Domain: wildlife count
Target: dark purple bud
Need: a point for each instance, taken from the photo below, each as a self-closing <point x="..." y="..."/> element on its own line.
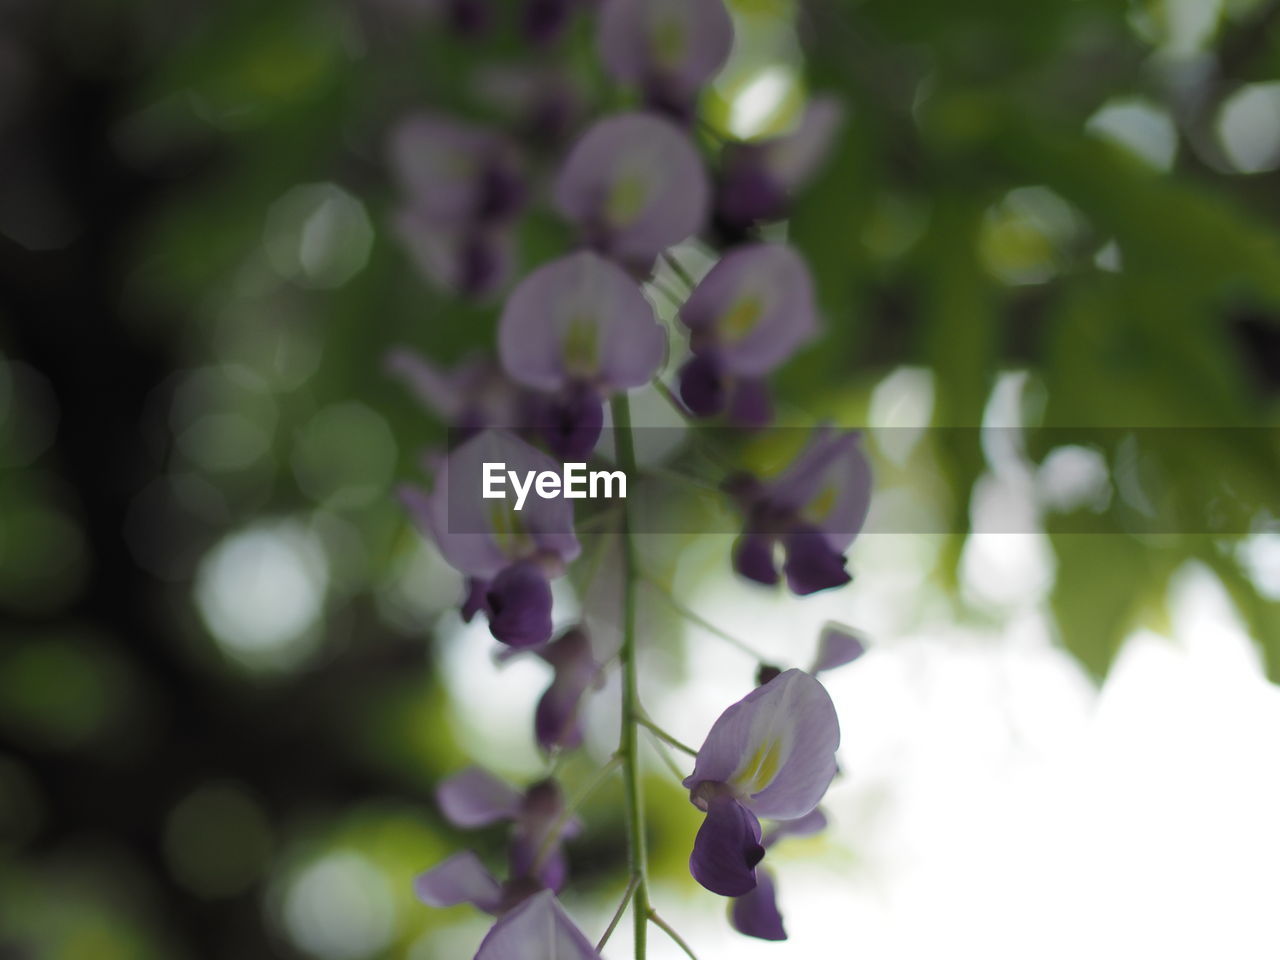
<point x="572" y="422"/>
<point x="755" y="914"/>
<point x="749" y="192"/>
<point x="766" y="672"/>
<point x="519" y="602"/>
<point x="753" y="558"/>
<point x="540" y="813"/>
<point x="702" y="386"/>
<point x="750" y="404"/>
<point x="811" y="563"/>
<point x="727" y="848"/>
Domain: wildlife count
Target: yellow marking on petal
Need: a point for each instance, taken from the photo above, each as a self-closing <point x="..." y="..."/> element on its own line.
<point x="820" y="507"/>
<point x="668" y="42"/>
<point x="740" y="319"/>
<point x="759" y="771"/>
<point x="509" y="532"/>
<point x="627" y="199"/>
<point x="581" y="346"/>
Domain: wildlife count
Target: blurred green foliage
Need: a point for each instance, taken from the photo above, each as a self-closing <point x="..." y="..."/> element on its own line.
<point x="961" y="226"/>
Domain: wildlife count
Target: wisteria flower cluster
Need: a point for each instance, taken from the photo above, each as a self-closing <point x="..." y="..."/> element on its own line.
<point x="573" y="337"/>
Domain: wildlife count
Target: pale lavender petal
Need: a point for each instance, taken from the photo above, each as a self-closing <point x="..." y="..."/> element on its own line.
<point x="439" y="390"/>
<point x="635" y="185"/>
<point x="813" y="822"/>
<point x="828" y="486"/>
<point x="755" y="913"/>
<point x="837" y="645"/>
<point x="756" y="306"/>
<point x="775" y="748"/>
<point x="482" y="537"/>
<point x="476" y="798"/>
<point x="727" y="848"/>
<point x="670" y="47"/>
<point x="476" y="555"/>
<point x="580" y="319"/>
<point x="796" y="156"/>
<point x="452" y="171"/>
<point x="460" y="879"/>
<point x="538" y="929"/>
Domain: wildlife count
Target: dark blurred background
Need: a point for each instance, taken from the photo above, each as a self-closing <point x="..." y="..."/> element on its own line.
<point x="220" y="712"/>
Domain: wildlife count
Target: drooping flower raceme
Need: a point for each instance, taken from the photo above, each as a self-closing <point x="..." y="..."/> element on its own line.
<point x="814" y="510"/>
<point x="759" y="179"/>
<point x="578" y="329"/>
<point x="634" y="185"/>
<point x="475" y="798"/>
<point x="668" y="48"/>
<point x="745" y="318"/>
<point x="508" y="556"/>
<point x="538" y="929"/>
<point x="771" y="755"/>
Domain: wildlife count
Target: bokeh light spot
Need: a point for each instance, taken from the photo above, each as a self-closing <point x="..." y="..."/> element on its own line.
<point x="261" y="591"/>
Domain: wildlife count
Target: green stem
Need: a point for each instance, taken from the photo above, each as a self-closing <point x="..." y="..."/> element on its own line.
<point x="698" y="619"/>
<point x="663" y="735"/>
<point x="617" y="914"/>
<point x="678" y="269"/>
<point x="629" y="744"/>
<point x="670" y="932"/>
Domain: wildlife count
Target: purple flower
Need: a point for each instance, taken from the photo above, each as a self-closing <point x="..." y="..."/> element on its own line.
<point x="760" y="178"/>
<point x="745" y="318"/>
<point x="473" y="396"/>
<point x="577" y="329"/>
<point x="771" y="754"/>
<point x="475" y="798"/>
<point x="454" y="172"/>
<point x="669" y="48"/>
<point x="475" y="260"/>
<point x="509" y="556"/>
<point x="756" y="913"/>
<point x="634" y="185"/>
<point x="556" y="720"/>
<point x="543" y="105"/>
<point x="814" y="510"/>
<point x="538" y="929"/>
